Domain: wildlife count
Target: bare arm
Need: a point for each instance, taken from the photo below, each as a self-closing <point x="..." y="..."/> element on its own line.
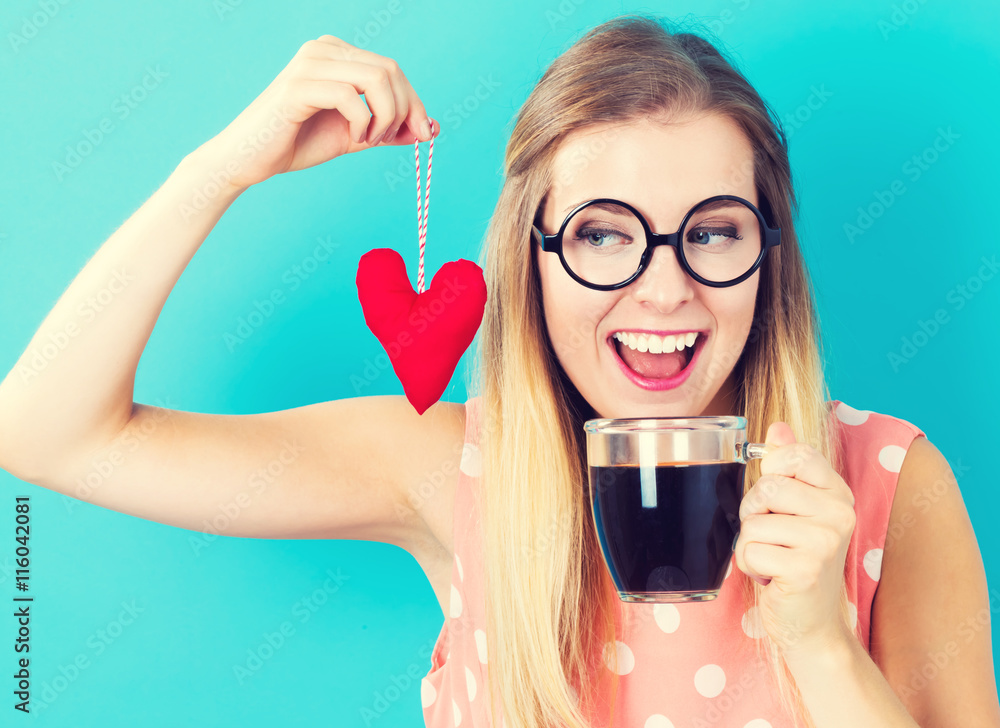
<point x="83" y="396"/>
<point x="73" y="426"/>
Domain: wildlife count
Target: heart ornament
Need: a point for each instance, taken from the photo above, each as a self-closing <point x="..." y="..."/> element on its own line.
<point x="424" y="333"/>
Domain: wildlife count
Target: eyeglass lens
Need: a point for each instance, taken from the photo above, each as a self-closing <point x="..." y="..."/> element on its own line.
<point x="603" y="243"/>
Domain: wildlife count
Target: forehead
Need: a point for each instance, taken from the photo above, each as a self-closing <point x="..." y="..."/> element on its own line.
<point x="661" y="168"/>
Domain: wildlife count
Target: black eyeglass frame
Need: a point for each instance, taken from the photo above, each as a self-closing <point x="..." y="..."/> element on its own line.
<point x="553" y="243"/>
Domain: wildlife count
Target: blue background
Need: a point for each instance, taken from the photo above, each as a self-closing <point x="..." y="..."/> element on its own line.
<point x="894" y="73"/>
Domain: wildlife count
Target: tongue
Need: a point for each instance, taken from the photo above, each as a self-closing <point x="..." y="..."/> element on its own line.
<point x="653" y="366"/>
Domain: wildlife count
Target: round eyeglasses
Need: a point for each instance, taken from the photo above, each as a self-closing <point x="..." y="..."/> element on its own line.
<point x="606" y="244"/>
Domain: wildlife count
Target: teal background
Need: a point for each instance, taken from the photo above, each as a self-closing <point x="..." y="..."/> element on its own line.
<point x="895" y="78"/>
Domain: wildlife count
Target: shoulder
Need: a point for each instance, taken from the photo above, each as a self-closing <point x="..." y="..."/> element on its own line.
<point x="866" y="427"/>
<point x="932" y="595"/>
<point x="872" y="448"/>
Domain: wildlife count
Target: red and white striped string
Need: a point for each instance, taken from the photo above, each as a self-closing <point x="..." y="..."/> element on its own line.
<point x="425" y="206"/>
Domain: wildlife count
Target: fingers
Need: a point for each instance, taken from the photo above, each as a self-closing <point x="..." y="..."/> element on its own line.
<point x="781" y="494"/>
<point x="778" y="529"/>
<point x="801" y="461"/>
<point x="388" y="93"/>
<point x="760" y="560"/>
<point x="372" y="81"/>
<point x="332" y="95"/>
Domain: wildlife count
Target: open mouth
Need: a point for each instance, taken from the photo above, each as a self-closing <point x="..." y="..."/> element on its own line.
<point x="656" y="362"/>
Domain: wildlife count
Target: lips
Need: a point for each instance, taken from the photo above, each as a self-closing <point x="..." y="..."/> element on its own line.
<point x="660" y="384"/>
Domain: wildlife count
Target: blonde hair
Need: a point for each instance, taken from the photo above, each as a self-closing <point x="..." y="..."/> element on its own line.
<point x="551" y="607"/>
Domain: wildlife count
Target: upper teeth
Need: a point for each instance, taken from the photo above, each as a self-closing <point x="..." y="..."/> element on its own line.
<point x="657" y="344"/>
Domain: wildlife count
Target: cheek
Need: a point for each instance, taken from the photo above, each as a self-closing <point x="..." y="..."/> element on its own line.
<point x="572" y="312"/>
<point x="734" y="313"/>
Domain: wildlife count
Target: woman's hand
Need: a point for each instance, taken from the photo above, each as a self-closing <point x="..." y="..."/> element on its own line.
<point x="313" y="112"/>
<point x="795" y="527"/>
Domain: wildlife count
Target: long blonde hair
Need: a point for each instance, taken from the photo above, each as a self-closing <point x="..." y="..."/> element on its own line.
<point x="551" y="607"/>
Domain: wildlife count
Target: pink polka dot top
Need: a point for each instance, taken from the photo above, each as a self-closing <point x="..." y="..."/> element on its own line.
<point x="681" y="665"/>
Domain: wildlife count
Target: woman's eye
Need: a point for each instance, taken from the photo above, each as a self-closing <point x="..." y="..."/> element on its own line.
<point x="595" y="238"/>
<point x="717" y="236"/>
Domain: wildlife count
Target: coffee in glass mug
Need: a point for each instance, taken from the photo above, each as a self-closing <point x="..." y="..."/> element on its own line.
<point x="665" y="496"/>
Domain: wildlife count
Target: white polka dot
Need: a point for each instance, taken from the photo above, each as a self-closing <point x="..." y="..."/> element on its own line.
<point x="667" y="616"/>
<point x="850" y="416"/>
<point x="657" y="721"/>
<point x="455" y="608"/>
<point x="458" y="563"/>
<point x="752" y="625"/>
<point x="891" y="457"/>
<point x="427" y="693"/>
<point x="758" y="723"/>
<point x="472" y="461"/>
<point x="626" y="660"/>
<point x="457" y="712"/>
<point x="709" y="680"/>
<point x="730" y="569"/>
<point x="470" y="683"/>
<point x="481" y="644"/>
<point x="873" y="563"/>
<point x="852" y="615"/>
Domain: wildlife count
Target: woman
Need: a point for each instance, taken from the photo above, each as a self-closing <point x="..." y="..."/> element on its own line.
<point x="659" y="122"/>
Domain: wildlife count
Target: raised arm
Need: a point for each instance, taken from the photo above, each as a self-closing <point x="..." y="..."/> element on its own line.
<point x="333" y="469"/>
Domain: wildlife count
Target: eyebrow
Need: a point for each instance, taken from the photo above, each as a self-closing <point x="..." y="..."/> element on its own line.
<point x="609" y="207"/>
<point x="606" y="206"/>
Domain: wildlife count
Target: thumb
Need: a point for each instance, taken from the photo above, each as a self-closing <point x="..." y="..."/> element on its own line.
<point x="779" y="433"/>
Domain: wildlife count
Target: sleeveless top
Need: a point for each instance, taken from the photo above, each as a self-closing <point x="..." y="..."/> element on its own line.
<point x="685" y="664"/>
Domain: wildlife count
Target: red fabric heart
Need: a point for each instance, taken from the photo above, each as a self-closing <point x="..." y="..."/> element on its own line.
<point x="424" y="335"/>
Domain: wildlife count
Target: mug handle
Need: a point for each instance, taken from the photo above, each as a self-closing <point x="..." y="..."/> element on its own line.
<point x="751" y="450"/>
<point x="747" y="451"/>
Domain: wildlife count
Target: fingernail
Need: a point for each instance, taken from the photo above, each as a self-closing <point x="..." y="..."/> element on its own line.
<point x="389" y="136"/>
<point x="425" y="129"/>
<point x="377" y="139"/>
<point x="361" y="139"/>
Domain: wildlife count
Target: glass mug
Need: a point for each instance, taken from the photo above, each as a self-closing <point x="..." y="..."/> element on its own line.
<point x="665" y="495"/>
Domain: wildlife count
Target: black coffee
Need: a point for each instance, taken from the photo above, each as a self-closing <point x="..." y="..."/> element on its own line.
<point x="673" y="531"/>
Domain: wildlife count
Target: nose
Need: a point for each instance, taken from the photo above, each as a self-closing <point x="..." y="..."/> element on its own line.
<point x="664" y="284"/>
